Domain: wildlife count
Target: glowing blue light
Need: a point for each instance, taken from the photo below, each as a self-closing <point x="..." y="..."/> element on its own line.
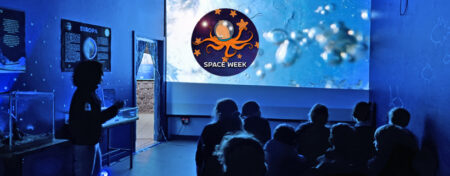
<point x="104" y="173"/>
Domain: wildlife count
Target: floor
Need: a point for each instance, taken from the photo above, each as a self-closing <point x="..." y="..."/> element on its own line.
<point x="173" y="158"/>
<point x="144" y="131"/>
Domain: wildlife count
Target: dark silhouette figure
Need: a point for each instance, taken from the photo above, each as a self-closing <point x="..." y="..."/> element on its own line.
<point x="396" y="151"/>
<point x="399" y="116"/>
<point x="312" y="136"/>
<point x="227" y="120"/>
<point x="254" y="123"/>
<point x="281" y="155"/>
<point x="241" y="155"/>
<point x="396" y="146"/>
<point x="364" y="131"/>
<point x="86" y="118"/>
<point x="339" y="159"/>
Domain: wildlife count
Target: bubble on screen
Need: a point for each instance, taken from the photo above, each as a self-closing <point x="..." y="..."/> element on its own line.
<point x="269" y="67"/>
<point x="287" y="53"/>
<point x="296" y="35"/>
<point x="260" y="73"/>
<point x="276" y="36"/>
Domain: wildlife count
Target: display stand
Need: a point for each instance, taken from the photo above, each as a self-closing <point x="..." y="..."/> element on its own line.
<point x="111" y="150"/>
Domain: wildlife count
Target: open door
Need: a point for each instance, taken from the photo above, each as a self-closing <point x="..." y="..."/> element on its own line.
<point x="145" y="55"/>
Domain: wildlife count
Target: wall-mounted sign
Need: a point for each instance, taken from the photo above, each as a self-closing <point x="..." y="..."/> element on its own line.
<point x="12" y="41"/>
<point x="80" y="41"/>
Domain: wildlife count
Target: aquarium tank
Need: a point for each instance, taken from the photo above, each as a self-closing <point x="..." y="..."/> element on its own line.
<point x="26" y="120"/>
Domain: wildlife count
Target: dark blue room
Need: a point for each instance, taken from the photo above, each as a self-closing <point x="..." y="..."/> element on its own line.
<point x="224" y="87"/>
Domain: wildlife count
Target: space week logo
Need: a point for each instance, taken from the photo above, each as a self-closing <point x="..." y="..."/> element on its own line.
<point x="225" y="42"/>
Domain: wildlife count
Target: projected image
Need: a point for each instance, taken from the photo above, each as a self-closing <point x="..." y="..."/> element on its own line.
<point x="317" y="44"/>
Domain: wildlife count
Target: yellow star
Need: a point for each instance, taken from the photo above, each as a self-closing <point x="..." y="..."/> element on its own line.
<point x="257" y="44"/>
<point x="217" y="11"/>
<point x="233" y="13"/>
<point x="224" y="59"/>
<point x="239" y="56"/>
<point x="197" y="52"/>
<point x="197" y="40"/>
<point x="242" y="24"/>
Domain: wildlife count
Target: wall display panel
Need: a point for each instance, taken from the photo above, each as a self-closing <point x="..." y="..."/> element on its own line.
<point x="12" y="41"/>
<point x="80" y="41"/>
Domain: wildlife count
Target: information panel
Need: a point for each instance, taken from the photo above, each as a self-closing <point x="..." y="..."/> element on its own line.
<point x="80" y="41"/>
<point x="12" y="41"/>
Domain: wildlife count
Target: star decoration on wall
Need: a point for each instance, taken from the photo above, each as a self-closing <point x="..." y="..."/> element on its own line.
<point x="197" y="52"/>
<point x="239" y="56"/>
<point x="217" y="11"/>
<point x="242" y="24"/>
<point x="233" y="13"/>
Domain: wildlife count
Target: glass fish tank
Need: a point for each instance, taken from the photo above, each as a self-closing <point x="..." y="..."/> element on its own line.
<point x="26" y="120"/>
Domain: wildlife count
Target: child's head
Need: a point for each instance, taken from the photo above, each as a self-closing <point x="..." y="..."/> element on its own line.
<point x="251" y="108"/>
<point x="361" y="112"/>
<point x="225" y="108"/>
<point x="285" y="133"/>
<point x="399" y="116"/>
<point x="319" y="114"/>
<point x="226" y="113"/>
<point x="241" y="154"/>
<point x="341" y="135"/>
<point x="88" y="74"/>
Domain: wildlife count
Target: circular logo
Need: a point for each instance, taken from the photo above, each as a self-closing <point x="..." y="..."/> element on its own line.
<point x="225" y="42"/>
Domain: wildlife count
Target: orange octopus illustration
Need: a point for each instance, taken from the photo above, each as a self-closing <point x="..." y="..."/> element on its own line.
<point x="235" y="43"/>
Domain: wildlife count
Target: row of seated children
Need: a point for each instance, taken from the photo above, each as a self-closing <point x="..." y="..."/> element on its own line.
<point x="233" y="147"/>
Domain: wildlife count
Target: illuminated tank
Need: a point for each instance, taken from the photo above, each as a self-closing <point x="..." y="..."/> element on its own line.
<point x="26" y="120"/>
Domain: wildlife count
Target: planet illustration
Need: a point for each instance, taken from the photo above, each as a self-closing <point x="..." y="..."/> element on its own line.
<point x="89" y="48"/>
<point x="224" y="30"/>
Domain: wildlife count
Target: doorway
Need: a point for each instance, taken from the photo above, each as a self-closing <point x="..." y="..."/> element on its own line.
<point x="145" y="53"/>
<point x="145" y="124"/>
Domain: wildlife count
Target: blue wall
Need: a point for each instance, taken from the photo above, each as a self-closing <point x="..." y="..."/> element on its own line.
<point x="278" y="103"/>
<point x="42" y="19"/>
<point x="410" y="67"/>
